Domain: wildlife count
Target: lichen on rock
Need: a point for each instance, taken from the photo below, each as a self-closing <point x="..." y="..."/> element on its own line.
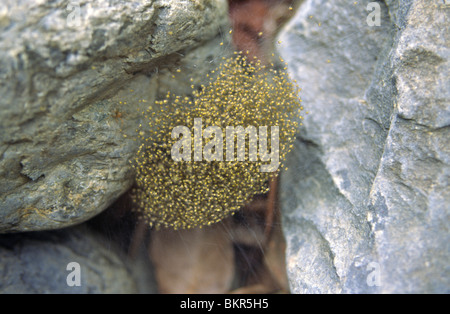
<point x="70" y="92"/>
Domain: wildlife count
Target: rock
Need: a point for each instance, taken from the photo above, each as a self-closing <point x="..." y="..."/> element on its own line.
<point x="365" y="200"/>
<point x="37" y="262"/>
<point x="73" y="78"/>
<point x="195" y="261"/>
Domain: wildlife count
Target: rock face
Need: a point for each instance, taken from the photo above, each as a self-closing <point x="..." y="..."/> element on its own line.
<point x="73" y="76"/>
<point x="38" y="263"/>
<point x="366" y="198"/>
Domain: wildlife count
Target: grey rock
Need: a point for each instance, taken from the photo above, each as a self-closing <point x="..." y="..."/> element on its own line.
<point x="37" y="262"/>
<point x="366" y="199"/>
<point x="75" y="77"/>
